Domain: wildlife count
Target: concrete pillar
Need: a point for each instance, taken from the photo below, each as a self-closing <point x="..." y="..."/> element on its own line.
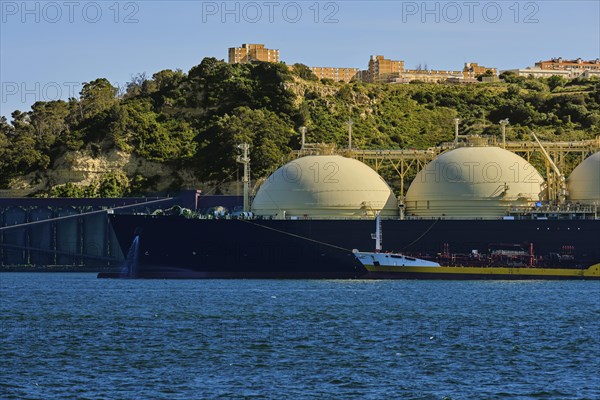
<point x="15" y="238"/>
<point x="94" y="238"/>
<point x="67" y="237"/>
<point x="41" y="237"/>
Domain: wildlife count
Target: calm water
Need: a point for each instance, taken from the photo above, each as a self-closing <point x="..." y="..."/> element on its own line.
<point x="73" y="336"/>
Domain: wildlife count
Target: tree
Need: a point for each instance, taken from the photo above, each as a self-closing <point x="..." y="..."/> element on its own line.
<point x="268" y="135"/>
<point x="304" y="72"/>
<point x="4" y="154"/>
<point x="22" y="155"/>
<point x="48" y="120"/>
<point x="206" y="85"/>
<point x="136" y="127"/>
<point x="97" y="96"/>
<point x="486" y="74"/>
<point x="69" y="189"/>
<point x="114" y="184"/>
<point x="346" y="93"/>
<point x="556" y="81"/>
<point x="135" y="86"/>
<point x="5" y="126"/>
<point x="511" y="77"/>
<point x="167" y="87"/>
<point x="168" y="79"/>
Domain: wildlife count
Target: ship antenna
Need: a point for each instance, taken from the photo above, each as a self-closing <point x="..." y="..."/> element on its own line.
<point x="244" y="159"/>
<point x="378" y="235"/>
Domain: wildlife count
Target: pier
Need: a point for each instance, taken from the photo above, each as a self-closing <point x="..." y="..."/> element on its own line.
<point x="68" y="234"/>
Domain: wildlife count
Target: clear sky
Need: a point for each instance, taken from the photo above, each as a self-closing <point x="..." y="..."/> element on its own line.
<point x="49" y="48"/>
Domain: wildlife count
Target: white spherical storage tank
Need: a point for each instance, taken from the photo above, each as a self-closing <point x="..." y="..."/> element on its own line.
<point x="584" y="182"/>
<point x="473" y="182"/>
<point x="324" y="187"/>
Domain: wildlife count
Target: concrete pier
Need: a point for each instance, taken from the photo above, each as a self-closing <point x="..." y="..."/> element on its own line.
<point x="66" y="234"/>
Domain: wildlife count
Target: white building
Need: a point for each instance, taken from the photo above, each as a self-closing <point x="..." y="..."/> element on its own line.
<point x="540" y="73"/>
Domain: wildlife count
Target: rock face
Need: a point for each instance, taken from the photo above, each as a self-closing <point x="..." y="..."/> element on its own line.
<point x="82" y="168"/>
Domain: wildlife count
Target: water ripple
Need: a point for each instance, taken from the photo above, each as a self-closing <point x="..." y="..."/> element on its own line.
<point x="73" y="336"/>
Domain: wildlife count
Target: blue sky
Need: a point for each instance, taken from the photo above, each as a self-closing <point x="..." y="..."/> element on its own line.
<point x="49" y="48"/>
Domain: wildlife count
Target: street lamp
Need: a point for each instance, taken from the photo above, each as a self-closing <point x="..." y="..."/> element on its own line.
<point x="503" y="124"/>
<point x="350" y="122"/>
<point x="303" y="132"/>
<point x="456" y="121"/>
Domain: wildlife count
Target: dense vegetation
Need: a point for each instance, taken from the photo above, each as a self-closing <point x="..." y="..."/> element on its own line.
<point x="194" y="121"/>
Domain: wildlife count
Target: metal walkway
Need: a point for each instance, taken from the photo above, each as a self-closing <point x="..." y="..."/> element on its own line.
<point x="410" y="161"/>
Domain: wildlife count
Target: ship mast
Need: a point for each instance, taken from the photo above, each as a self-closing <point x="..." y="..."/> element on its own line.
<point x="378" y="234"/>
<point x="244" y="159"/>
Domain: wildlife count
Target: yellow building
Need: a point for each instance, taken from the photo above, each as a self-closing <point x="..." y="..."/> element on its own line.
<point x="559" y="67"/>
<point x="473" y="70"/>
<point x="337" y="74"/>
<point x="252" y="52"/>
<point x="382" y="70"/>
<point x="428" y="75"/>
<point x="578" y="65"/>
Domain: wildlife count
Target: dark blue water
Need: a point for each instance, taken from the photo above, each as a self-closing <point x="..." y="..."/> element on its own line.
<point x="73" y="336"/>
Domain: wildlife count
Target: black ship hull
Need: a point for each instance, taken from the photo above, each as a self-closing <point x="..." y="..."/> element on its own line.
<point x="176" y="247"/>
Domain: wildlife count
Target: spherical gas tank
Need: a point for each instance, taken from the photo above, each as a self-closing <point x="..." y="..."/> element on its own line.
<point x="473" y="182"/>
<point x="584" y="182"/>
<point x="324" y="186"/>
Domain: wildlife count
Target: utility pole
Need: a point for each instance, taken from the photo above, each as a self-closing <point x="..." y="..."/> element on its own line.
<point x="303" y="132"/>
<point x="503" y="124"/>
<point x="244" y="159"/>
<point x="350" y="122"/>
<point x="456" y="121"/>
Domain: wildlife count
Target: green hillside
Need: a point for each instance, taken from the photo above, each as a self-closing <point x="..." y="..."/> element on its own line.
<point x="191" y="122"/>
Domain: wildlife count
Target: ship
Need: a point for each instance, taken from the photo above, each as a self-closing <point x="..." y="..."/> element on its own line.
<point x="471" y="208"/>
<point x="517" y="264"/>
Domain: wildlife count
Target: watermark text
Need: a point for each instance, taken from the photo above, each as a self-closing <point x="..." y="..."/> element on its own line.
<point x="31" y="92"/>
<point x="52" y="12"/>
<point x="470" y="11"/>
<point x="270" y="12"/>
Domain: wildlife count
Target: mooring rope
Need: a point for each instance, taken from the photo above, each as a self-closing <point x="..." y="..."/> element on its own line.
<point x="420" y="237"/>
<point x="297" y="236"/>
<point x="43" y="221"/>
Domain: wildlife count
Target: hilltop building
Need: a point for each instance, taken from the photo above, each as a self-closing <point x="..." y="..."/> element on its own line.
<point x="428" y="75"/>
<point x="473" y="70"/>
<point x="578" y="65"/>
<point x="252" y="52"/>
<point x="337" y="74"/>
<point x="560" y="67"/>
<point x="382" y="70"/>
<point x="591" y="73"/>
<point x="539" y="73"/>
